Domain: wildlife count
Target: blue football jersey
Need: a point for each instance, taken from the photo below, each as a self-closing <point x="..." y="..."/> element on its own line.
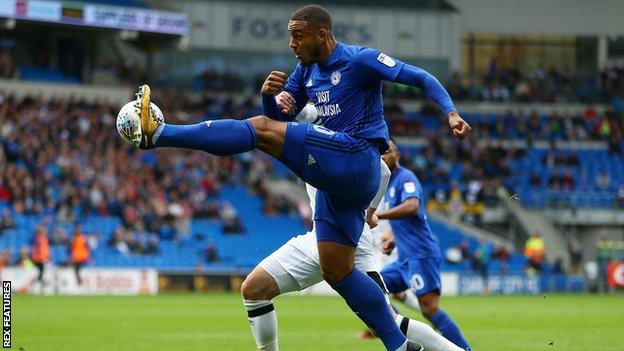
<point x="413" y="236"/>
<point x="346" y="90"/>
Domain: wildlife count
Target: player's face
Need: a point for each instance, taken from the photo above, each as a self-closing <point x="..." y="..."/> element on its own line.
<point x="391" y="158"/>
<point x="303" y="41"/>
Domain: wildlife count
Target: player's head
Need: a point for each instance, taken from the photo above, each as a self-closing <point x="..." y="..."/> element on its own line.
<point x="40" y="230"/>
<point x="310" y="30"/>
<point x="391" y="158"/>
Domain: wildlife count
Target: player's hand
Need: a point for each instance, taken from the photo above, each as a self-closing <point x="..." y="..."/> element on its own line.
<point x="460" y="128"/>
<point x="286" y="103"/>
<point x="274" y="83"/>
<point x="371" y="217"/>
<point x="387" y="243"/>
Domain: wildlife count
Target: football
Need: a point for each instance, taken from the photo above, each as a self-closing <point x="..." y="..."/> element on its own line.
<point x="129" y="122"/>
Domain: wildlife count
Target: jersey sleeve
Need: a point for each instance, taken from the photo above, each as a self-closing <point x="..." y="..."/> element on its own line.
<point x="410" y="188"/>
<point x="376" y="65"/>
<point x="295" y="87"/>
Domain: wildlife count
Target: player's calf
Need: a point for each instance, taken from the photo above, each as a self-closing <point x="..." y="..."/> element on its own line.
<point x="429" y="304"/>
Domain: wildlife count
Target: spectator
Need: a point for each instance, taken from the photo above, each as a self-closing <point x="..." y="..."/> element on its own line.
<point x="79" y="252"/>
<point x="41" y="252"/>
<point x="481" y="261"/>
<point x="6" y="221"/>
<point x="619" y="198"/>
<point x="502" y="254"/>
<point x="59" y="237"/>
<point x="24" y="260"/>
<point x="211" y="253"/>
<point x="576" y="254"/>
<point x="603" y="181"/>
<point x="465" y="250"/>
<point x="7" y="69"/>
<point x="558" y="266"/>
<point x="567" y="181"/>
<point x="233" y="226"/>
<point x="535" y="179"/>
<point x="118" y="242"/>
<point x="152" y="245"/>
<point x="534" y="251"/>
<point x="5" y="258"/>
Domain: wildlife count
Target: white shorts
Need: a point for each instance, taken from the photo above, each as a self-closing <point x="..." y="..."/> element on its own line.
<point x="295" y="265"/>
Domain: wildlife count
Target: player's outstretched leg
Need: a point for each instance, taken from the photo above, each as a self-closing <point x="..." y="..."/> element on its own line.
<point x="218" y="137"/>
<point x="259" y="289"/>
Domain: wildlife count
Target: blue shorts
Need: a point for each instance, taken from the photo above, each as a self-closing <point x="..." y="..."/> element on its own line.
<point x="421" y="276"/>
<point x="344" y="169"/>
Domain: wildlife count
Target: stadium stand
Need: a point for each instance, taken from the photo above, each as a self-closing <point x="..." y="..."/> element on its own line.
<point x="169" y="223"/>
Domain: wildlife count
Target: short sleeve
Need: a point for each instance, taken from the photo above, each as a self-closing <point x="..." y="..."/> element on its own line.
<point x="378" y="65"/>
<point x="410" y="188"/>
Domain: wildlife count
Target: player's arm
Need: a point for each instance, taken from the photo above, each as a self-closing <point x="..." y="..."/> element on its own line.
<point x="414" y="76"/>
<point x="407" y="208"/>
<point x="277" y="82"/>
<point x="371" y="218"/>
<point x="410" y="194"/>
<point x="379" y="66"/>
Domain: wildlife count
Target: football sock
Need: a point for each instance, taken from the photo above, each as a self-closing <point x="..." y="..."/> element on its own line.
<point x="425" y="335"/>
<point x="409" y="298"/>
<point x="445" y="325"/>
<point x="263" y="322"/>
<point x="366" y="299"/>
<point x="221" y="138"/>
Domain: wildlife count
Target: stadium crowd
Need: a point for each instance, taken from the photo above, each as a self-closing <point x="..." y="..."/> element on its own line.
<point x="498" y="84"/>
<point x="59" y="158"/>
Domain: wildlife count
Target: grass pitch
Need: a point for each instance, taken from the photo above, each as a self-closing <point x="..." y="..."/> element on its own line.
<point x="209" y="322"/>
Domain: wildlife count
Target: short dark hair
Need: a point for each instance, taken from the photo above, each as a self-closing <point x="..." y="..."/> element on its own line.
<point x="316" y="16"/>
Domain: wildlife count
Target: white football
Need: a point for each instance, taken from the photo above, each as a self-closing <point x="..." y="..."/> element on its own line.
<point x="129" y="122"/>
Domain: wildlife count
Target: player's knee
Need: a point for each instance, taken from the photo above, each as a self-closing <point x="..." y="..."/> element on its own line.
<point x="263" y="124"/>
<point x="250" y="291"/>
<point x="255" y="289"/>
<point x="334" y="273"/>
<point x="270" y="134"/>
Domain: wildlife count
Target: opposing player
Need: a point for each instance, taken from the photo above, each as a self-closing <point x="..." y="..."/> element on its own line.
<point x="295" y="266"/>
<point x="418" y="264"/>
<point x="341" y="161"/>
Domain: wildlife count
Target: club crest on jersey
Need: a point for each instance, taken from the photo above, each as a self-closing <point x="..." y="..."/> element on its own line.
<point x="409" y="187"/>
<point x="386" y="60"/>
<point x="335" y="77"/>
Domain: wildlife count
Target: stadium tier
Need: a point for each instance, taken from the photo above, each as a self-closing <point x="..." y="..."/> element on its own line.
<point x="235" y="251"/>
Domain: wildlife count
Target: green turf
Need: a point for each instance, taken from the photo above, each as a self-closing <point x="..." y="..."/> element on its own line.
<point x="217" y="322"/>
